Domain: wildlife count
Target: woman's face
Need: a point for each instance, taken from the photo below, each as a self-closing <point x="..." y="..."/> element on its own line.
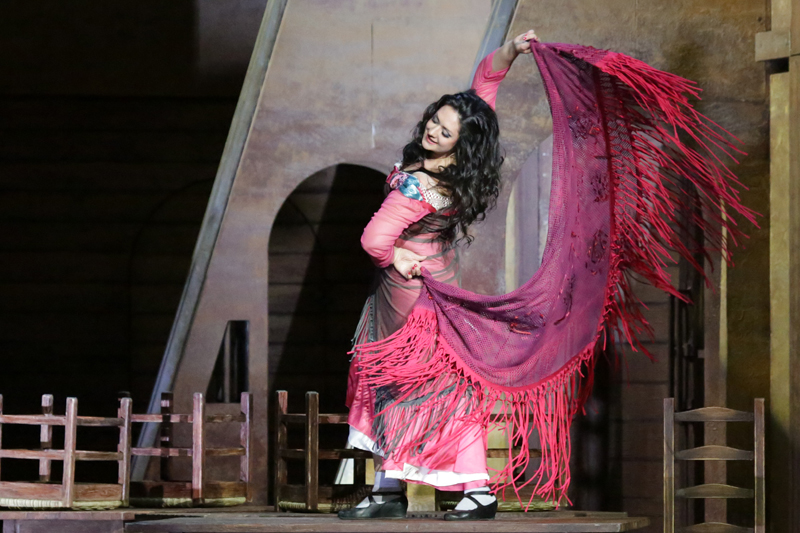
<point x="441" y="131"/>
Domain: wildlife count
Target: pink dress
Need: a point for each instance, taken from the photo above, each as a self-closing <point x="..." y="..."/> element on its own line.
<point x="463" y="460"/>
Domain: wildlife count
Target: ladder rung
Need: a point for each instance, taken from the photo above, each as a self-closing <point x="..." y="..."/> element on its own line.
<point x="713" y="490"/>
<point x="715" y="527"/>
<point x="714" y="453"/>
<point x="714" y="414"/>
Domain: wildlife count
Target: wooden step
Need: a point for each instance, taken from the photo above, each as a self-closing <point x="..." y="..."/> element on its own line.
<point x="714" y="414"/>
<point x="714" y="490"/>
<point x="714" y="453"/>
<point x="715" y="527"/>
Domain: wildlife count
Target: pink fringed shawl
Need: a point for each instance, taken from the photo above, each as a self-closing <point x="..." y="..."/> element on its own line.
<point x="629" y="152"/>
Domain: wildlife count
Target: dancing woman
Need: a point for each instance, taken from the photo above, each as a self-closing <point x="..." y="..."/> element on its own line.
<point x="449" y="177"/>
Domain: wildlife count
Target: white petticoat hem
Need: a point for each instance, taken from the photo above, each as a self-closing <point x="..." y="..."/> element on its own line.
<point x="437" y="478"/>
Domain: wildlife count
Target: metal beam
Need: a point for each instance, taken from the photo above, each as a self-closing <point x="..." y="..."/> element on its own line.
<point x="496" y="30"/>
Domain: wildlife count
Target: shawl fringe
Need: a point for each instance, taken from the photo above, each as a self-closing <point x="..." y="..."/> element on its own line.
<point x="655" y="176"/>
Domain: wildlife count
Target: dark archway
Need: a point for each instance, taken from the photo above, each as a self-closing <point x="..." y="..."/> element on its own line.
<point x="319" y="278"/>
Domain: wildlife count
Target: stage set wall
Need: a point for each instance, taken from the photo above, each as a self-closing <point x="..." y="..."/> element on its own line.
<point x="114" y="121"/>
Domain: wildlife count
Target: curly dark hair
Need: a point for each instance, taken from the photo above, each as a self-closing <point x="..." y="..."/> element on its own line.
<point x="473" y="182"/>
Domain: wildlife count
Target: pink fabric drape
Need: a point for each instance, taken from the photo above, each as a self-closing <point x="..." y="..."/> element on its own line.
<point x="393" y="298"/>
<point x="622" y="174"/>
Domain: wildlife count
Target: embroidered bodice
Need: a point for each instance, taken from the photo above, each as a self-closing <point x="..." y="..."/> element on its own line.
<point x="410" y="187"/>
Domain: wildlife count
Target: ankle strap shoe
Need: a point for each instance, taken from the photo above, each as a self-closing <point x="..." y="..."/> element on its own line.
<point x="482" y="512"/>
<point x="388" y="510"/>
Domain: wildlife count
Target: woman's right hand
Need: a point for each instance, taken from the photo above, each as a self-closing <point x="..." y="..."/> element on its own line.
<point x="407" y="263"/>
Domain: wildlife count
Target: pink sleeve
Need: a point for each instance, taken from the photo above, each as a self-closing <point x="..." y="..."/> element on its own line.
<point x="396" y="214"/>
<point x="486" y="82"/>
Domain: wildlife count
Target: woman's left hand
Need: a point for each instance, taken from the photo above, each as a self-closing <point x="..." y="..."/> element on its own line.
<point x="522" y="42"/>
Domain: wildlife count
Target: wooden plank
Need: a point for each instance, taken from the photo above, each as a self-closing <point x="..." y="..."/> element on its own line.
<point x="281" y="473"/>
<point x="780" y="210"/>
<point x="669" y="465"/>
<point x="212" y="221"/>
<point x="57" y="455"/>
<point x="87" y="455"/>
<point x="225" y="452"/>
<point x="715" y="527"/>
<point x="162" y="452"/>
<point x="332" y="524"/>
<point x="33" y="420"/>
<point x="70" y="436"/>
<point x="124" y="449"/>
<point x="161" y="489"/>
<point x="97" y="492"/>
<point x="67" y="514"/>
<point x="165" y="438"/>
<point x="714" y="414"/>
<point x="714" y="453"/>
<point x="221" y="419"/>
<point x="225" y="489"/>
<point x="183" y="489"/>
<point x="793" y="487"/>
<point x="360" y="471"/>
<point x="760" y="517"/>
<point x="46" y="437"/>
<point x="198" y="448"/>
<point x="31" y="491"/>
<point x="714" y="490"/>
<point x="245" y="465"/>
<point x="156" y="418"/>
<point x="312" y="451"/>
<point x="132" y="514"/>
<point x="98" y="421"/>
<point x="773" y="44"/>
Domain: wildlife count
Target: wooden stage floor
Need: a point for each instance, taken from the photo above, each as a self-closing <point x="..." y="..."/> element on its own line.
<point x="258" y="520"/>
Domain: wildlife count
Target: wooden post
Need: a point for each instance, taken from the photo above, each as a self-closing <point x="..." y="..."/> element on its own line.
<point x="166" y="433"/>
<point x="359" y="471"/>
<point x="312" y="451"/>
<point x="669" y="465"/>
<point x="1" y="431"/>
<point x="281" y="474"/>
<point x="244" y="438"/>
<point x="198" y="448"/>
<point x="45" y="437"/>
<point x="124" y="448"/>
<point x="758" y="466"/>
<point x="70" y="436"/>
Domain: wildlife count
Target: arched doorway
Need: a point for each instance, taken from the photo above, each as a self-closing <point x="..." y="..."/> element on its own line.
<point x="319" y="278"/>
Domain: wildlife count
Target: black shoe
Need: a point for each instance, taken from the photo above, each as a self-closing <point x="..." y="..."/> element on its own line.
<point x="482" y="512"/>
<point x="388" y="510"/>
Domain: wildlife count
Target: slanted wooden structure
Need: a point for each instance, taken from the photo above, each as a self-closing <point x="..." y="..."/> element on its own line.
<point x="713" y="453"/>
<point x="200" y="490"/>
<point x="45" y="493"/>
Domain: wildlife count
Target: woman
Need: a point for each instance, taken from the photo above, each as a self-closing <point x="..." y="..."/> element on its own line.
<point x="448" y="178"/>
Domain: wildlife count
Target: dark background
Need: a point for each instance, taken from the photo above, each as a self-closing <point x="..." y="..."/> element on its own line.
<point x="113" y="117"/>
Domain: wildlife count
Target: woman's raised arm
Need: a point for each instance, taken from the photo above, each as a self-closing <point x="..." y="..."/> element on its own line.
<point x="506" y="54"/>
<point x="493" y="68"/>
